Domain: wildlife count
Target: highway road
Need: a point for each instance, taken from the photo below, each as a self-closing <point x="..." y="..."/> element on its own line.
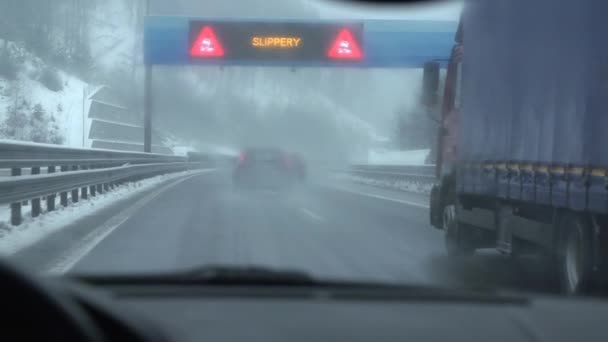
<point x="331" y="230"/>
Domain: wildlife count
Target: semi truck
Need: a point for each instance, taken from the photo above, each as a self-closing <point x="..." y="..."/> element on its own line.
<point x="522" y="162"/>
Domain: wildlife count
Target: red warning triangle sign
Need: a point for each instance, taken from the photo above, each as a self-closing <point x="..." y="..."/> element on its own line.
<point x="207" y="44"/>
<point x="345" y="47"/>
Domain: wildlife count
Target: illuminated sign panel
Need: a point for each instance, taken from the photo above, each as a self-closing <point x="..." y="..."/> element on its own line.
<point x="180" y="40"/>
<point x="275" y="41"/>
<point x="282" y="42"/>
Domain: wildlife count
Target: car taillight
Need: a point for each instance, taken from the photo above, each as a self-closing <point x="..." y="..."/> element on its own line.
<point x="287" y="161"/>
<point x="242" y="159"/>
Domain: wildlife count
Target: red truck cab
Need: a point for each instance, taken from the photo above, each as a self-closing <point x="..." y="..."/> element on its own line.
<point x="447" y="135"/>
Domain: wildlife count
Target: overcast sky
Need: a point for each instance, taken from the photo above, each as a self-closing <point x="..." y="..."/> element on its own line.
<point x="437" y="10"/>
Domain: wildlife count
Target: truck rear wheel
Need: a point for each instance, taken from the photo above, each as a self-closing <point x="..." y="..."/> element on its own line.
<point x="456" y="242"/>
<point x="575" y="254"/>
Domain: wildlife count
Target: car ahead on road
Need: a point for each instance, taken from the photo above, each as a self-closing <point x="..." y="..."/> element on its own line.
<point x="299" y="166"/>
<point x="267" y="168"/>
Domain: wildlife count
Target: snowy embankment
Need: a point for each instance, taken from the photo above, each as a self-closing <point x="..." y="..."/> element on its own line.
<point x="392" y="157"/>
<point x="57" y="96"/>
<point x="33" y="230"/>
<point x="410" y="185"/>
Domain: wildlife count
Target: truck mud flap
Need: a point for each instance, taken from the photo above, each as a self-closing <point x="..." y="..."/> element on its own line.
<point x="435" y="211"/>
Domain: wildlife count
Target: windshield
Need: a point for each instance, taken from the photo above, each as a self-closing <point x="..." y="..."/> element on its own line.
<point x="350" y="143"/>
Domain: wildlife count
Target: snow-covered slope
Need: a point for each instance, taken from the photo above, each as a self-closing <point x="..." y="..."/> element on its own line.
<point x="388" y="157"/>
<point x="26" y="91"/>
<point x="115" y="35"/>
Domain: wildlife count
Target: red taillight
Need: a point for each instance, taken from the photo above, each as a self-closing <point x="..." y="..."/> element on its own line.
<point x="287" y="161"/>
<point x="242" y="158"/>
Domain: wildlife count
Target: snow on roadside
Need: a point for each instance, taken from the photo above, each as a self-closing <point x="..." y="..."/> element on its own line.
<point x="181" y="147"/>
<point x="401" y="185"/>
<point x="70" y="99"/>
<point x="389" y="157"/>
<point x="32" y="230"/>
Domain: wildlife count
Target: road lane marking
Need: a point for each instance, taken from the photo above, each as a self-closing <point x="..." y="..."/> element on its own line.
<point x="413" y="204"/>
<point x="65" y="262"/>
<point x="86" y="245"/>
<point x="312" y="215"/>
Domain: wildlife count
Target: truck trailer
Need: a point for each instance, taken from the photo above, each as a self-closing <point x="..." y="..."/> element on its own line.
<point x="523" y="150"/>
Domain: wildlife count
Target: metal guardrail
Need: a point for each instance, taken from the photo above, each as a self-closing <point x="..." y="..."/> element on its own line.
<point x="424" y="173"/>
<point x="83" y="173"/>
<point x="18" y="155"/>
<point x="420" y="174"/>
<point x="16" y="189"/>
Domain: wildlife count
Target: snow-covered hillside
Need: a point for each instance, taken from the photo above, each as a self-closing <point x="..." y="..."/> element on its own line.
<point x="115" y="35"/>
<point x="392" y="157"/>
<point x="64" y="104"/>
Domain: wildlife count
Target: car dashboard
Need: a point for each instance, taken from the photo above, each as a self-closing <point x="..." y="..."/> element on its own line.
<point x="255" y="313"/>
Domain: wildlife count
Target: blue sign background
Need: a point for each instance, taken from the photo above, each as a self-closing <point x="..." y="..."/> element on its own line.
<point x="386" y="43"/>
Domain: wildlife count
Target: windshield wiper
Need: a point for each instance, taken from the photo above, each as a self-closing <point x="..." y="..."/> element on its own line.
<point x="247" y="275"/>
<point x="263" y="277"/>
<point x="209" y="275"/>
